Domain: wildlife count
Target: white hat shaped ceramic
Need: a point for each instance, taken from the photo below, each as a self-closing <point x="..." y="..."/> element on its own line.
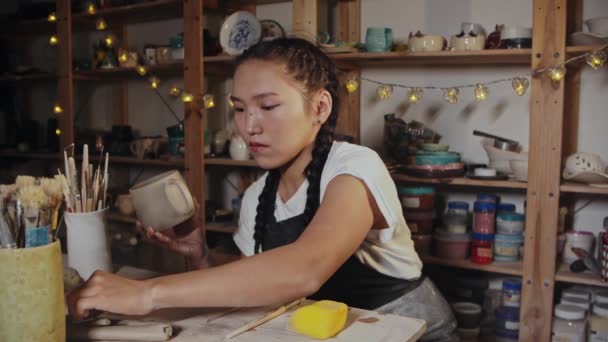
<point x="586" y="168"/>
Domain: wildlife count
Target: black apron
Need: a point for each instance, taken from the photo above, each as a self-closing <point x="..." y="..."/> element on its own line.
<point x="354" y="283"/>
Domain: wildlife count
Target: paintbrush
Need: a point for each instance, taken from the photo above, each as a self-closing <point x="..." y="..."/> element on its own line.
<point x="74" y="180"/>
<point x="84" y="177"/>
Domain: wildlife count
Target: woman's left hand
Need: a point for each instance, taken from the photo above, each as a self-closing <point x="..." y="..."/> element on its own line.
<point x="108" y="292"/>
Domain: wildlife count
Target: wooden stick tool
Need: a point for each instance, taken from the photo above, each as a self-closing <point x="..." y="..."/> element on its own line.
<point x="265" y="319"/>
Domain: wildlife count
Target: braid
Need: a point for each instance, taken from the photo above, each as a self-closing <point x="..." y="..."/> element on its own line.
<point x="265" y="206"/>
<point x="310" y="67"/>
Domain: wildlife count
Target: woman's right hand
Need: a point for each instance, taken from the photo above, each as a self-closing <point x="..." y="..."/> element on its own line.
<point x="184" y="239"/>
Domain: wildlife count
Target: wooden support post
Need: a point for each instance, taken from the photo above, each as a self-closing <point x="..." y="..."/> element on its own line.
<point x="120" y="89"/>
<point x="546" y="118"/>
<point x="305" y="19"/>
<point x="348" y="29"/>
<point x="572" y="86"/>
<point x="64" y="71"/>
<point x="194" y="112"/>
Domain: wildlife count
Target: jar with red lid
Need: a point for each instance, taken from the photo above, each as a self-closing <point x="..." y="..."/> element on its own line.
<point x="485" y="213"/>
<point x="481" y="248"/>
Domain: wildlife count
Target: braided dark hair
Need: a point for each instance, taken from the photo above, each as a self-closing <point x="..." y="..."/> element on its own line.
<point x="309" y="66"/>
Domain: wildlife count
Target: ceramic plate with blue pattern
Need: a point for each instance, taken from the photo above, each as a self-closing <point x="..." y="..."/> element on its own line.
<point x="240" y="31"/>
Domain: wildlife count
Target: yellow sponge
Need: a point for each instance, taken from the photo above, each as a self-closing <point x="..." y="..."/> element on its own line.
<point x="322" y="320"/>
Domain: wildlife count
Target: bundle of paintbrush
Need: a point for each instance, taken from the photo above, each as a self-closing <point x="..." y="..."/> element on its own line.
<point x="89" y="192"/>
<point x="29" y="211"/>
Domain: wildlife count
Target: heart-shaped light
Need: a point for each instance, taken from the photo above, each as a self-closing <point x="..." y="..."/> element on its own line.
<point x="596" y="59"/>
<point x="451" y="95"/>
<point x="520" y="85"/>
<point x="384" y="92"/>
<point x="557" y="73"/>
<point x="481" y="92"/>
<point x="352" y="86"/>
<point x="414" y="95"/>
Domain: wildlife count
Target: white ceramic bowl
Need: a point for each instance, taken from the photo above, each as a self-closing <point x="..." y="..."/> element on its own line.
<point x="514" y="32"/>
<point x="519" y="169"/>
<point x="427" y="42"/>
<point x="598" y="26"/>
<point x="499" y="159"/>
<point x="468" y="43"/>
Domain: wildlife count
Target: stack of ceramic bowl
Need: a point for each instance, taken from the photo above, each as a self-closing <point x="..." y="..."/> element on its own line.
<point x="418" y="205"/>
<point x="434" y="161"/>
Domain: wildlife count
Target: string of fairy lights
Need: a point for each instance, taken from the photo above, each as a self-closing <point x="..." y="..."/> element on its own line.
<point x="384" y="91"/>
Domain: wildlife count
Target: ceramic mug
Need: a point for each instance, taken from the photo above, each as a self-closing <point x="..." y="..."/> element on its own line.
<point x="162" y="201"/>
<point x="468" y="43"/>
<point x="379" y="39"/>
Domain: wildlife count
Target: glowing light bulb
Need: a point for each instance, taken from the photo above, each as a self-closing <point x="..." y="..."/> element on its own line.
<point x="230" y="103"/>
<point x="101" y="24"/>
<point x="123" y="57"/>
<point x="520" y="85"/>
<point x="154" y="82"/>
<point x="175" y="91"/>
<point x="384" y="92"/>
<point x="451" y="95"/>
<point x="596" y="59"/>
<point x="141" y="70"/>
<point x="57" y="132"/>
<point x="57" y="109"/>
<point x="209" y="101"/>
<point x="187" y="97"/>
<point x="352" y="86"/>
<point x="557" y="73"/>
<point x="52" y="17"/>
<point x="91" y="9"/>
<point x="481" y="92"/>
<point x="414" y="95"/>
<point x="110" y="40"/>
<point x="53" y="40"/>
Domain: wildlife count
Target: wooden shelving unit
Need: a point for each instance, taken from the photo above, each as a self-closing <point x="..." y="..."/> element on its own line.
<point x="228" y="227"/>
<point x="586" y="278"/>
<point x="512" y="268"/>
<point x="461" y="182"/>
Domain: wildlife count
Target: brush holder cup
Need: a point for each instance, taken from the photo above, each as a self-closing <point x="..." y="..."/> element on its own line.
<point x="31" y="294"/>
<point x="88" y="247"/>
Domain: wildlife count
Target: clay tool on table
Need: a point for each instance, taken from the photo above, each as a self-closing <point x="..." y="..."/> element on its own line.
<point x="265" y="318"/>
<point x="223" y="313"/>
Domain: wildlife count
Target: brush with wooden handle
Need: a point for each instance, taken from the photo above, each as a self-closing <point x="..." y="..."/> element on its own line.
<point x="265" y="319"/>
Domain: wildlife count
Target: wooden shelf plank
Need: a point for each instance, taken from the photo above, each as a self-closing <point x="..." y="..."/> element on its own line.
<point x="582" y="188"/>
<point x="29" y="155"/>
<point x="579" y="50"/>
<point x="492" y="57"/>
<point x="461" y="181"/>
<point x="512" y="268"/>
<point x="586" y="278"/>
<point x="27" y="78"/>
<point x="230" y="162"/>
<point x="120" y="73"/>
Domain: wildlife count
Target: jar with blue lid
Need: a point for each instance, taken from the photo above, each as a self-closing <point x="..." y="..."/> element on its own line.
<point x="506" y="207"/>
<point x="510" y="223"/>
<point x="507" y="318"/>
<point x="487" y="198"/>
<point x="417" y="198"/>
<point x="456" y="217"/>
<point x="511" y="293"/>
<point x="485" y="213"/>
<point x="507" y="246"/>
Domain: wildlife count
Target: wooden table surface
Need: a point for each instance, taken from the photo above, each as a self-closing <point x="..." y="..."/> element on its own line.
<point x="192" y="324"/>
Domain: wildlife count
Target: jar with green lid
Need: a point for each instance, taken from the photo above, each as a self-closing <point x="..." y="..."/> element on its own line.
<point x="510" y="223"/>
<point x="417" y="198"/>
<point x="177" y="46"/>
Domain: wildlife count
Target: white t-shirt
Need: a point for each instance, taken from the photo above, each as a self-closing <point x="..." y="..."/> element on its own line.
<point x="389" y="251"/>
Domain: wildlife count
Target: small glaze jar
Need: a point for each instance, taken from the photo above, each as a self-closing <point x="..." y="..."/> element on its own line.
<point x="485" y="213"/>
<point x="238" y="148"/>
<point x="417" y="198"/>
